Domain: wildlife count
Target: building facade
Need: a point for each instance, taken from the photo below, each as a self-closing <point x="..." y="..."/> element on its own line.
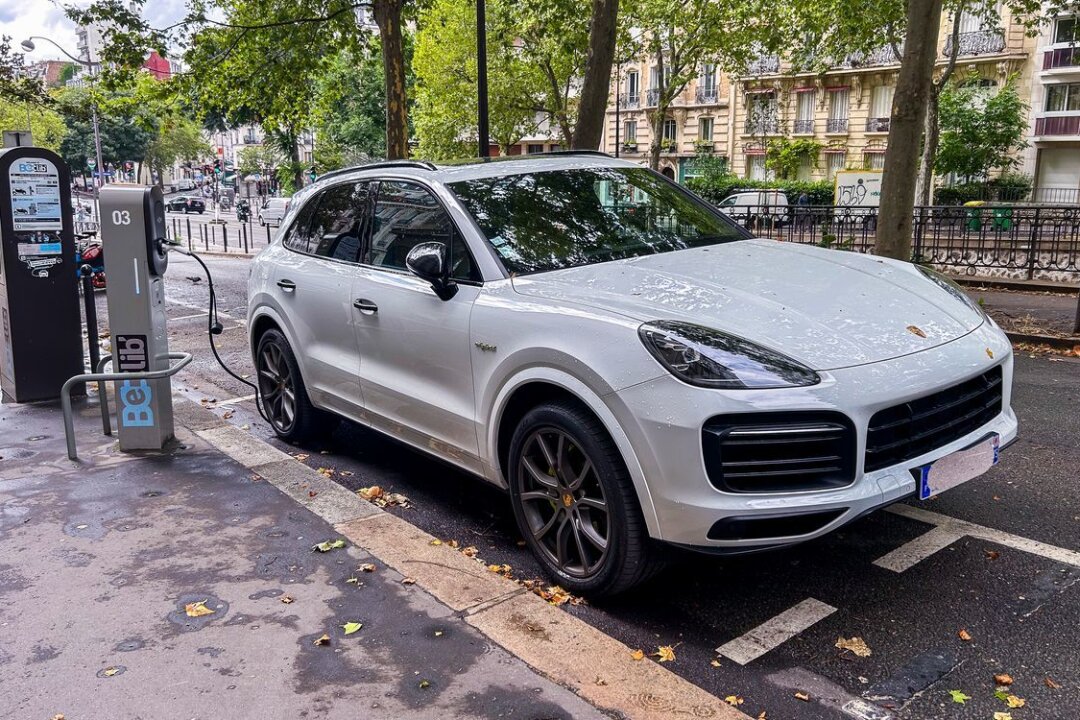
<point x="844" y="111"/>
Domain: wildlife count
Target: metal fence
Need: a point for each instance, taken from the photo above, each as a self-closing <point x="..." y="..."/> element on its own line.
<point x="1024" y="242"/>
<point x="244" y="238"/>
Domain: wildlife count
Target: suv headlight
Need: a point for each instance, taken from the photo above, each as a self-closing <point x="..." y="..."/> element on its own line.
<point x="709" y="358"/>
<point x="950" y="286"/>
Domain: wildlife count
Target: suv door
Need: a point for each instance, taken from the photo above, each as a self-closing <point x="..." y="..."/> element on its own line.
<point x="416" y="372"/>
<point x="314" y="286"/>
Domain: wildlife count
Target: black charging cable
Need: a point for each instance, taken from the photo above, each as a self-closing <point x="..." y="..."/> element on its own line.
<point x="214" y="326"/>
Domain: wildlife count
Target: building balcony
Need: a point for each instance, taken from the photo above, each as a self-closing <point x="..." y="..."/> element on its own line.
<point x="877" y="125"/>
<point x="764" y="65"/>
<point x="884" y="55"/>
<point x="630" y="101"/>
<point x="1068" y="57"/>
<point x="1058" y="125"/>
<point x="762" y="126"/>
<point x="706" y="95"/>
<point x="980" y="42"/>
<point x="704" y="147"/>
<point x="836" y="125"/>
<point x="804" y="127"/>
<point x="652" y="97"/>
<point x="667" y="145"/>
<point x="630" y="146"/>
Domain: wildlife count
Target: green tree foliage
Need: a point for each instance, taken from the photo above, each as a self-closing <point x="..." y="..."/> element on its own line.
<point x="125" y="135"/>
<point x="979" y="132"/>
<point x="258" y="159"/>
<point x="46" y="125"/>
<point x="14" y="85"/>
<point x="784" y="156"/>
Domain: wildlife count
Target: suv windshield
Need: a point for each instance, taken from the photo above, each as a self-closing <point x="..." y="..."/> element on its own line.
<point x="561" y="218"/>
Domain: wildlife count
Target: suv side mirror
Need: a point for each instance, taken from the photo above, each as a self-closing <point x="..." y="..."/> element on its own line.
<point x="427" y="261"/>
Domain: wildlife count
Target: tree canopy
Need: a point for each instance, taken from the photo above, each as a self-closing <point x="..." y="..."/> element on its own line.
<point x="980" y="130"/>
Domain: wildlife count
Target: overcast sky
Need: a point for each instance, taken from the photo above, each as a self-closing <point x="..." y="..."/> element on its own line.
<point x="20" y="19"/>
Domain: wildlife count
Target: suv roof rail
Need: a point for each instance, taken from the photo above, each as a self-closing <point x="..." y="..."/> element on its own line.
<point x="527" y="156"/>
<point x="421" y="164"/>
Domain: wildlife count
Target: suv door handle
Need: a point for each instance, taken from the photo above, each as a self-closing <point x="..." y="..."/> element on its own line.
<point x="286" y="285"/>
<point x="365" y="306"/>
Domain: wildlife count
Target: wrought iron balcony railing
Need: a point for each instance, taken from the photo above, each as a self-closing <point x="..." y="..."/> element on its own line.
<point x="980" y="42"/>
<point x="804" y="127"/>
<point x="652" y="97"/>
<point x="706" y="95"/>
<point x="836" y="125"/>
<point x="631" y="100"/>
<point x="762" y="126"/>
<point x="884" y="55"/>
<point x="764" y="65"/>
<point x="877" y="124"/>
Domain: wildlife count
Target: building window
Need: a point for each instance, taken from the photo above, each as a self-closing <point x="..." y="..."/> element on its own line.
<point x="705" y="128"/>
<point x="706" y="89"/>
<point x="633" y="87"/>
<point x="1063" y="98"/>
<point x="755" y="168"/>
<point x="669" y="130"/>
<point x="874" y="160"/>
<point x="1065" y="30"/>
<point x="804" y="112"/>
<point x="630" y="131"/>
<point x="534" y="148"/>
<point x="834" y="163"/>
<point x="838" y="110"/>
<point x="761" y="116"/>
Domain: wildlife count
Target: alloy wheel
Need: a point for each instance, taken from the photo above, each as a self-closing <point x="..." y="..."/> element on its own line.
<point x="563" y="502"/>
<point x="276" y="387"/>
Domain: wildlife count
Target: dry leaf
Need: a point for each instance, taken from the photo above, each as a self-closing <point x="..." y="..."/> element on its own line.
<point x="762" y="716"/>
<point x="227" y="415"/>
<point x="345" y="473"/>
<point x="964" y="635"/>
<point x="197" y="609"/>
<point x="328" y="545"/>
<point x="438" y="633"/>
<point x="1003" y="679"/>
<point x="714" y="663"/>
<point x="287" y="599"/>
<point x="1049" y="682"/>
<point x="453" y="543"/>
<point x="1003" y="716"/>
<point x="324" y="640"/>
<point x="1014" y="702"/>
<point x="733" y="700"/>
<point x="469" y="551"/>
<point x="436" y="541"/>
<point x="367" y="567"/>
<point x="351" y="627"/>
<point x="58" y="716"/>
<point x="637" y="655"/>
<point x="110" y="671"/>
<point x="665" y="653"/>
<point x="600" y="681"/>
<point x="325" y="472"/>
<point x="855" y="645"/>
<point x="408" y="581"/>
<point x="370" y="493"/>
<point x="352" y="581"/>
<point x="805" y="697"/>
<point x="424" y="684"/>
<point x="300" y="456"/>
<point x="993" y="554"/>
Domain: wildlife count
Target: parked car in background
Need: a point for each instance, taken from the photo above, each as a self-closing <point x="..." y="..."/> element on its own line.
<point x="272" y="211"/>
<point x="185" y="204"/>
<point x="185" y="184"/>
<point x="631" y="366"/>
<point x="756" y="208"/>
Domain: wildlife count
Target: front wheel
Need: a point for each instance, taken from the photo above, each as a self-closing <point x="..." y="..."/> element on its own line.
<point x="282" y="392"/>
<point x="575" y="503"/>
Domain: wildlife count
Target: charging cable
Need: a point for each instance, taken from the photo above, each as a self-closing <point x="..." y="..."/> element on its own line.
<point x="213" y="325"/>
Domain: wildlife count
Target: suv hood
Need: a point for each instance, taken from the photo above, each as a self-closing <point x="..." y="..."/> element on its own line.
<point x="826" y="308"/>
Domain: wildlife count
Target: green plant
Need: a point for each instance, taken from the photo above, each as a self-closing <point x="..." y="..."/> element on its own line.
<point x="784" y="156"/>
<point x="668" y="145"/>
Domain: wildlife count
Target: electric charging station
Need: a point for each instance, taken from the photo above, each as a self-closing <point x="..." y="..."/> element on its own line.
<point x="40" y="323"/>
<point x="133" y="239"/>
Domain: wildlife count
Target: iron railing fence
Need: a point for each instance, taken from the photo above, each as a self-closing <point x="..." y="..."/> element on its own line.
<point x="1031" y="241"/>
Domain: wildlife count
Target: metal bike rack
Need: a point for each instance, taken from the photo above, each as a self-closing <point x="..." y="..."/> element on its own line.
<point x="101" y="378"/>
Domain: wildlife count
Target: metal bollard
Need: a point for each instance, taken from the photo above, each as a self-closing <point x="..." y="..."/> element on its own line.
<point x="225" y="237"/>
<point x="90" y="309"/>
<point x="243" y="235"/>
<point x="188" y="221"/>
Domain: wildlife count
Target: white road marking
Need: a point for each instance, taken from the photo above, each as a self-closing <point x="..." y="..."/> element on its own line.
<point x="1000" y="537"/>
<point x="188" y="317"/>
<point x="233" y="401"/>
<point x="772" y="633"/>
<point x="192" y="306"/>
<point x="917" y="550"/>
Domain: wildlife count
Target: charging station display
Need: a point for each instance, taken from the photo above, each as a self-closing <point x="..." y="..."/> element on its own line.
<point x="37" y="219"/>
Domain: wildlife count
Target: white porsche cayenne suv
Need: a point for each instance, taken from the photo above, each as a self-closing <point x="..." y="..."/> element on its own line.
<point x="630" y="365"/>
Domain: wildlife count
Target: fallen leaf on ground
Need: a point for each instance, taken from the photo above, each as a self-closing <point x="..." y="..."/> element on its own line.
<point x="110" y="671"/>
<point x="351" y="627"/>
<point x="1049" y="682"/>
<point x="993" y="554"/>
<point x="805" y="697"/>
<point x="328" y="545"/>
<point x="855" y="645"/>
<point x="325" y="472"/>
<point x="227" y="415"/>
<point x="734" y="700"/>
<point x="1003" y="679"/>
<point x="245" y="427"/>
<point x="958" y="696"/>
<point x="714" y="663"/>
<point x="1014" y="702"/>
<point x="408" y="581"/>
<point x="637" y="655"/>
<point x="665" y="653"/>
<point x="346" y="473"/>
<point x="398" y="500"/>
<point x="762" y="716"/>
<point x="352" y="581"/>
<point x="469" y="551"/>
<point x="370" y="493"/>
<point x="58" y="716"/>
<point x="367" y="567"/>
<point x="300" y="456"/>
<point x="324" y="640"/>
<point x="452" y="543"/>
<point x="197" y="609"/>
<point x="600" y="681"/>
<point x="438" y="633"/>
<point x="1003" y="716"/>
<point x="436" y="541"/>
<point x="964" y="635"/>
<point x="287" y="599"/>
<point x="424" y="684"/>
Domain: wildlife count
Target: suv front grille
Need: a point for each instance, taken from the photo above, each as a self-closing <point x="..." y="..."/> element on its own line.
<point x="779" y="452"/>
<point x="906" y="431"/>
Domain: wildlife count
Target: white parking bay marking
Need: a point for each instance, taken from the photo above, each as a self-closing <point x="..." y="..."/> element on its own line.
<point x="918" y="549"/>
<point x="772" y="633"/>
<point x="962" y="527"/>
<point x="233" y="401"/>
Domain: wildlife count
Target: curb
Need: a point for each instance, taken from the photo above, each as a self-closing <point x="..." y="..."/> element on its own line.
<point x="1009" y="284"/>
<point x="1053" y="341"/>
<point x="563" y="648"/>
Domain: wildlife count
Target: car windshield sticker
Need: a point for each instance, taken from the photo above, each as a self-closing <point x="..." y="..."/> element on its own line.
<point x="35" y="195"/>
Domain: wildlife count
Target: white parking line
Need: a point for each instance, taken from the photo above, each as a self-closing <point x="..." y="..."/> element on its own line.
<point x="962" y="527"/>
<point x="918" y="549"/>
<point x="233" y="401"/>
<point x="772" y="633"/>
<point x="192" y="306"/>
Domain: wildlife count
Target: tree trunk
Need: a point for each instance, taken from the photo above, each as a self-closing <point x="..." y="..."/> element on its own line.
<point x="924" y="185"/>
<point x="657" y="116"/>
<point x="388" y="18"/>
<point x="592" y="109"/>
<point x="905" y="129"/>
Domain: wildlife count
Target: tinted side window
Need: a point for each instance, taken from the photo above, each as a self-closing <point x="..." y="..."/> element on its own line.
<point x="337" y="229"/>
<point x="406" y="215"/>
<point x="297" y="236"/>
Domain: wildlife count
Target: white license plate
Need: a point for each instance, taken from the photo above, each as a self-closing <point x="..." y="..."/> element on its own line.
<point x="959" y="467"/>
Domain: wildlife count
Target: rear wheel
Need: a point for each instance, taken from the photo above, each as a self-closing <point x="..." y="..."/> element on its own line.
<point x="282" y="392"/>
<point x="575" y="504"/>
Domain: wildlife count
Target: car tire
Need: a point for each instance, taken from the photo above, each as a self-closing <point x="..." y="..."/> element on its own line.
<point x="580" y="516"/>
<point x="293" y="419"/>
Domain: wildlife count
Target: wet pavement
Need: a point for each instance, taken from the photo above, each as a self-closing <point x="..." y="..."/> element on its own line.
<point x="181" y="585"/>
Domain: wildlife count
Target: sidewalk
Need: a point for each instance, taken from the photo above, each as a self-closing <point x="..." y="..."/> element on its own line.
<point x="1030" y="314"/>
<point x="102" y="560"/>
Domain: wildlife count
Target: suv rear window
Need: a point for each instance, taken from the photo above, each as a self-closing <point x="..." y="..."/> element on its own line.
<point x="563" y="218"/>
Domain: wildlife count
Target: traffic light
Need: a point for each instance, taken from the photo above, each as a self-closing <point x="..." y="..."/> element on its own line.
<point x="217" y="167"/>
<point x="312" y="174"/>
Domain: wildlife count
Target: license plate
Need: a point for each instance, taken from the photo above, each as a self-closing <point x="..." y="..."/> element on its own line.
<point x="959" y="467"/>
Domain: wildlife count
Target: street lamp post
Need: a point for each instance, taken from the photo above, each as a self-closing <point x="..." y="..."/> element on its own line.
<point x="28" y="46"/>
<point x="481" y="80"/>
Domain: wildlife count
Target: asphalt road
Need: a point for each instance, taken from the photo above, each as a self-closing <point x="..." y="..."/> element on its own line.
<point x="1009" y="579"/>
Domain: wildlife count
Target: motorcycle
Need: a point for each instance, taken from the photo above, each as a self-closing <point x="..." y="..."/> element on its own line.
<point x="243" y="211"/>
<point x="89" y="251"/>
